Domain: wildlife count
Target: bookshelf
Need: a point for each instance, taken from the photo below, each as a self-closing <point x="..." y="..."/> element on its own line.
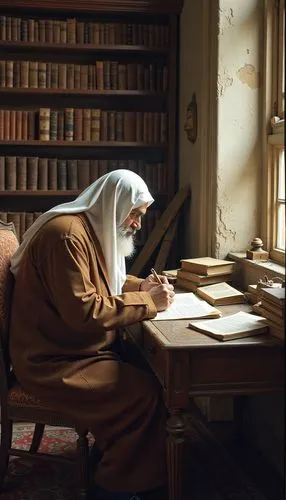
<point x="85" y="90"/>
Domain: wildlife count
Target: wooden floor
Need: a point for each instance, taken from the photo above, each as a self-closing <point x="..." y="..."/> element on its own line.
<point x="235" y="472"/>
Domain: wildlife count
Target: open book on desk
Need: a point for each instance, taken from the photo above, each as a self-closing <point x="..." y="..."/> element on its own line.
<point x="234" y="326"/>
<point x="188" y="306"/>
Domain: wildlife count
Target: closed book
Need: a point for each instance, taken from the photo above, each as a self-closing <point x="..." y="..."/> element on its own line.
<point x="53" y="125"/>
<point x="62" y="76"/>
<point x="62" y="174"/>
<point x="72" y="181"/>
<point x="129" y="126"/>
<point x="95" y="125"/>
<point x="83" y="173"/>
<point x="11" y="173"/>
<point x="277" y="321"/>
<point x="18" y="125"/>
<point x="201" y="279"/>
<point x="221" y="294"/>
<point x="70" y="76"/>
<point x="12" y="125"/>
<point x="69" y="124"/>
<point x="77" y="70"/>
<point x="17" y="74"/>
<point x="42" y="75"/>
<point x="78" y="124"/>
<point x="9" y="73"/>
<point x="277" y="309"/>
<point x="61" y="125"/>
<point x="32" y="173"/>
<point x="86" y="124"/>
<point x="207" y="265"/>
<point x="24" y="74"/>
<point x="28" y="128"/>
<point x="234" y="326"/>
<point x="21" y="168"/>
<point x="33" y="74"/>
<point x="54" y="76"/>
<point x="186" y="285"/>
<point x="52" y="174"/>
<point x="44" y="124"/>
<point x="99" y="75"/>
<point x="2" y="124"/>
<point x="43" y="173"/>
<point x="2" y="173"/>
<point x="274" y="295"/>
<point x="6" y="125"/>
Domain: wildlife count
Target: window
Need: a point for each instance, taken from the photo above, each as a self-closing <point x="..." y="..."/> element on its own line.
<point x="274" y="213"/>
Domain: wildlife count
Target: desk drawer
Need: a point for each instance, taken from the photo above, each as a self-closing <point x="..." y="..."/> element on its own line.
<point x="155" y="355"/>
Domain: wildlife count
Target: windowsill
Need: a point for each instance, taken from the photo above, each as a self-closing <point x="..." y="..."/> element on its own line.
<point x="256" y="268"/>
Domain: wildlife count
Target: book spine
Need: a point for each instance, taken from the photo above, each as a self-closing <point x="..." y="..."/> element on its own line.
<point x="69" y="124"/>
<point x="10" y="173"/>
<point x="32" y="173"/>
<point x="43" y="173"/>
<point x="21" y="173"/>
<point x="44" y="124"/>
<point x="72" y="181"/>
<point x="52" y="174"/>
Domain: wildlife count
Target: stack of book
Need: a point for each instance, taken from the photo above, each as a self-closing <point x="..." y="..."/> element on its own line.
<point x="195" y="273"/>
<point x="272" y="307"/>
<point x="253" y="292"/>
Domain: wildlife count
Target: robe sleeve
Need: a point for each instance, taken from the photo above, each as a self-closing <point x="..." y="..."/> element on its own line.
<point x="132" y="283"/>
<point x="64" y="267"/>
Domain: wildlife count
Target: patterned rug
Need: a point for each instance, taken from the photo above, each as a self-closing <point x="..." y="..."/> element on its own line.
<point x="29" y="479"/>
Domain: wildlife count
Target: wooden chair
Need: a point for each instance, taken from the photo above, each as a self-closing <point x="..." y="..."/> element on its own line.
<point x="16" y="403"/>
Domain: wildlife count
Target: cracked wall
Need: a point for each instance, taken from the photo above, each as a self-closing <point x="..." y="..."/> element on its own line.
<point x="238" y="93"/>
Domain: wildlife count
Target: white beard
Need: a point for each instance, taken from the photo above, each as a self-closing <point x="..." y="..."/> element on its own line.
<point x="125" y="242"/>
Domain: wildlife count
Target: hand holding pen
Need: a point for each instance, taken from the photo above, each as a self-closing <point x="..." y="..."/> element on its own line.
<point x="160" y="290"/>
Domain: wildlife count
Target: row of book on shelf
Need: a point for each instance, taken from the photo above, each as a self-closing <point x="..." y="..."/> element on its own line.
<point x="23" y="220"/>
<point x="72" y="30"/>
<point x="210" y="280"/>
<point x="83" y="124"/>
<point x="34" y="173"/>
<point x="101" y="75"/>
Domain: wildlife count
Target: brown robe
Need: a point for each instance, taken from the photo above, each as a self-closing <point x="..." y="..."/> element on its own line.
<point x="62" y="333"/>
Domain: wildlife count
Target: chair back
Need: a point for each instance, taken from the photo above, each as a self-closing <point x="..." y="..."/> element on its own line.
<point x="8" y="245"/>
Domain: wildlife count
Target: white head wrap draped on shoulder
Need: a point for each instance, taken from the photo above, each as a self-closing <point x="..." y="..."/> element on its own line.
<point x="107" y="202"/>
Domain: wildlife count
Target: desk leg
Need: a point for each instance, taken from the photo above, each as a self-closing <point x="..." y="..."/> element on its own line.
<point x="175" y="453"/>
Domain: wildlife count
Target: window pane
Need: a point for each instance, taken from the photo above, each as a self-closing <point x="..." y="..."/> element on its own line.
<point x="281" y="175"/>
<point x="281" y="227"/>
<point x="280" y="240"/>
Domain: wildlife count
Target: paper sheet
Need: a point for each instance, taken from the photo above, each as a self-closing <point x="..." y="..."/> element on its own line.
<point x="188" y="306"/>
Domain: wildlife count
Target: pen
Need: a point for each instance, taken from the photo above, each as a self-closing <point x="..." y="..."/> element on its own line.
<point x="156" y="276"/>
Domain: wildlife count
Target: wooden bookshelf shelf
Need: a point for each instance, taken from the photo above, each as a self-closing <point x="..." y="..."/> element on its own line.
<point x="83" y="144"/>
<point x="39" y="192"/>
<point x="10" y="46"/>
<point x="84" y="92"/>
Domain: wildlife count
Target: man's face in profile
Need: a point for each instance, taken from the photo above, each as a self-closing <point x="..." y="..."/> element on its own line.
<point x="126" y="232"/>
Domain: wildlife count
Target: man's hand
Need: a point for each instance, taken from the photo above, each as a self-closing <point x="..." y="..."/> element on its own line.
<point x="162" y="295"/>
<point x="150" y="282"/>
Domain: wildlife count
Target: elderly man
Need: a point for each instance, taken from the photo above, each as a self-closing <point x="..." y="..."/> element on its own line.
<point x="71" y="295"/>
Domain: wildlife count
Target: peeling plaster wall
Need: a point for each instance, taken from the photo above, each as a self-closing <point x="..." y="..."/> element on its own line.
<point x="238" y="92"/>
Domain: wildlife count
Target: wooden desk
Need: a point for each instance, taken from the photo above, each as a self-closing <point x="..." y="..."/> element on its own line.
<point x="188" y="363"/>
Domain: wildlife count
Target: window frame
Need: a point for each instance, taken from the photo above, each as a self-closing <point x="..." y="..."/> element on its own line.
<point x="273" y="136"/>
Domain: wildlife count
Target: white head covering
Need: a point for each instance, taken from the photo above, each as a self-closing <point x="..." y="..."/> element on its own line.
<point x="107" y="202"/>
